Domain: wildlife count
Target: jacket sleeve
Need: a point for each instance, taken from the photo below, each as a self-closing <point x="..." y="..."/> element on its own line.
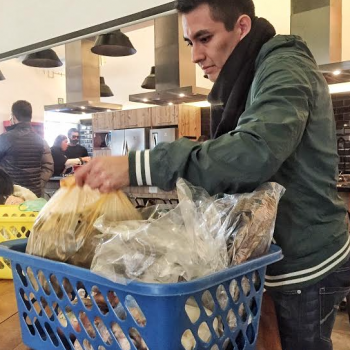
<point x="47" y="165"/>
<point x="3" y="146"/>
<point x="268" y="132"/>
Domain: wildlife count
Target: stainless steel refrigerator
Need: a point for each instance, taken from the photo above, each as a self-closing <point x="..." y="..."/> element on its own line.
<point x="162" y="135"/>
<point x="123" y="141"/>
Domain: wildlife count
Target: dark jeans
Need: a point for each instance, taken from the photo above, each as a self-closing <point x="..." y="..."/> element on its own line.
<point x="306" y="316"/>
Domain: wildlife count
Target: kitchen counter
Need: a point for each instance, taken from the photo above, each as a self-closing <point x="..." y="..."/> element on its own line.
<point x="52" y="186"/>
<point x="343" y="188"/>
<point x="56" y="178"/>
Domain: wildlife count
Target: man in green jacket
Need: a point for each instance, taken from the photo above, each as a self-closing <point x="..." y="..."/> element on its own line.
<point x="272" y="120"/>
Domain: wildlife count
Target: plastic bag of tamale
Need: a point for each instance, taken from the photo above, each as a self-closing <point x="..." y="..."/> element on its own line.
<point x="64" y="229"/>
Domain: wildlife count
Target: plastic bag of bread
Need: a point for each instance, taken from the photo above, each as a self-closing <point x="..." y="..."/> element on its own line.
<point x="64" y="229"/>
<point x="200" y="236"/>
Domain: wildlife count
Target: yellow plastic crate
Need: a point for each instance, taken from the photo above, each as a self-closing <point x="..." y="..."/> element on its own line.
<point x="14" y="224"/>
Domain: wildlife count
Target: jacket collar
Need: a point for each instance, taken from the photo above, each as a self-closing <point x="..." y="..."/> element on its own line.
<point x="22" y="125"/>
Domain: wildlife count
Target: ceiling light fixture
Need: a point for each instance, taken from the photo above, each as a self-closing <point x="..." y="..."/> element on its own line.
<point x="337" y="72"/>
<point x="114" y="44"/>
<point x="43" y="59"/>
<point x="150" y="80"/>
<point x="105" y="90"/>
<point x="182" y="95"/>
<point x="170" y="104"/>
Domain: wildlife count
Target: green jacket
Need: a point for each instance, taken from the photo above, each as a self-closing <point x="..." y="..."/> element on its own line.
<point x="286" y="135"/>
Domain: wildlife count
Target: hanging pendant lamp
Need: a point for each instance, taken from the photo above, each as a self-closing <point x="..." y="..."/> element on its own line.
<point x="2" y="76"/>
<point x="105" y="90"/>
<point x="43" y="59"/>
<point x="113" y="44"/>
<point x="150" y="80"/>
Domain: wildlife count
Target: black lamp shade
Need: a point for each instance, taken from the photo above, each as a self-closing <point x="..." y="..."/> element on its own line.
<point x="113" y="44"/>
<point x="105" y="90"/>
<point x="43" y="59"/>
<point x="150" y="81"/>
<point x="1" y="76"/>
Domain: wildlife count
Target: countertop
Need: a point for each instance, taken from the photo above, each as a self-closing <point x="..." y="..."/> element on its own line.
<point x="56" y="178"/>
<point x="343" y="187"/>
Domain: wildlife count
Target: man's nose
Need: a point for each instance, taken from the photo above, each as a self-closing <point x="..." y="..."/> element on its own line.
<point x="197" y="54"/>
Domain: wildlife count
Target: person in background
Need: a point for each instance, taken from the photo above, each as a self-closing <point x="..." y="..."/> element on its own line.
<point x="24" y="155"/>
<point x="271" y="120"/>
<point x="61" y="162"/>
<point x="75" y="150"/>
<point x="11" y="194"/>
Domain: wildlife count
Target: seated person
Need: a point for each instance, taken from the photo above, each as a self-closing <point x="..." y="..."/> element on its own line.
<point x="11" y="194"/>
<point x="61" y="162"/>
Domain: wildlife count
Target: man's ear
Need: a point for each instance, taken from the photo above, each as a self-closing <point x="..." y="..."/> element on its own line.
<point x="244" y="24"/>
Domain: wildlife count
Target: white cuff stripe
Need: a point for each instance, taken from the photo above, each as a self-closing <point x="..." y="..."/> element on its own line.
<point x="138" y="168"/>
<point x="315" y="268"/>
<point x="147" y="168"/>
<point x="308" y="278"/>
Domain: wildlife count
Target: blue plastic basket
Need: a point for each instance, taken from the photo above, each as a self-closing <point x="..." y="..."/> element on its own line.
<point x="45" y="289"/>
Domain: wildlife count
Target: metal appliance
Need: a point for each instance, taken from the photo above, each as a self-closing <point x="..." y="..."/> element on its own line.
<point x="162" y="135"/>
<point x="123" y="141"/>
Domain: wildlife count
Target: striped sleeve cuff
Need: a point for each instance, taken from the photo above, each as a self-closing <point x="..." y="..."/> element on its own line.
<point x="140" y="168"/>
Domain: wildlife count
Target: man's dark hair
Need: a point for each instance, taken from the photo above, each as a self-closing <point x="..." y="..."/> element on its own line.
<point x="225" y="11"/>
<point x="58" y="140"/>
<point x="6" y="186"/>
<point x="71" y="131"/>
<point x="22" y="110"/>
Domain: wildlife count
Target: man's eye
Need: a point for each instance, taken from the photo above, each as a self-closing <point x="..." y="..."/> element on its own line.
<point x="205" y="39"/>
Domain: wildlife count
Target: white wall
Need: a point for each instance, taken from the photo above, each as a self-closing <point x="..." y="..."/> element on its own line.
<point x="32" y="21"/>
<point x="37" y="86"/>
<point x="278" y="12"/>
<point x="346" y="31"/>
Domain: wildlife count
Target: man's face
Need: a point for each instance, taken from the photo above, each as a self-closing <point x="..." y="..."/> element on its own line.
<point x="74" y="138"/>
<point x="210" y="42"/>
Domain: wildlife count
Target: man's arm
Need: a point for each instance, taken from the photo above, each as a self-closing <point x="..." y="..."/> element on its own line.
<point x="46" y="165"/>
<point x="269" y="131"/>
<point x="4" y="145"/>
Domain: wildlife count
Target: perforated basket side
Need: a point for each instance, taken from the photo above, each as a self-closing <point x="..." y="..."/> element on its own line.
<point x="5" y="269"/>
<point x="8" y="211"/>
<point x="227" y="305"/>
<point x="14" y="224"/>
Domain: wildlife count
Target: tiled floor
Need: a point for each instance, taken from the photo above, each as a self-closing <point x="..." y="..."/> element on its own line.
<point x="341" y="332"/>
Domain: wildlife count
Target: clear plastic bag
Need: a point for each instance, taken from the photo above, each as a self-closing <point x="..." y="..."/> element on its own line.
<point x="200" y="236"/>
<point x="64" y="228"/>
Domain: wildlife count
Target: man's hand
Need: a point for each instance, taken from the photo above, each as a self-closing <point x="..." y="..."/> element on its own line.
<point x="86" y="159"/>
<point x="104" y="173"/>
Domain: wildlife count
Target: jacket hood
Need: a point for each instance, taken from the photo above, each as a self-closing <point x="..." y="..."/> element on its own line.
<point x="294" y="42"/>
